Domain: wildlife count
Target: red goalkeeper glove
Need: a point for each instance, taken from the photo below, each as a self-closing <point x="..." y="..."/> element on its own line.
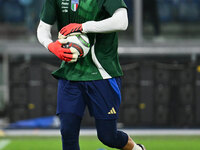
<point x="63" y="53"/>
<point x="71" y="28"/>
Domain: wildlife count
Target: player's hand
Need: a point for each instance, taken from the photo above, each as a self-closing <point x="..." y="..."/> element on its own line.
<point x="71" y="28"/>
<point x="63" y="53"/>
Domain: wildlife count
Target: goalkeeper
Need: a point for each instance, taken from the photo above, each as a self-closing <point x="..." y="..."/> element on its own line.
<point x="94" y="80"/>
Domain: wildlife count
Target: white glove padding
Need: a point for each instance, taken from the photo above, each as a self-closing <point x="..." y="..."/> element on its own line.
<point x="73" y="55"/>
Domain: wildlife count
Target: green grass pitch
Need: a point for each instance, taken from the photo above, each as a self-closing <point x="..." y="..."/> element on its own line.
<point x="92" y="143"/>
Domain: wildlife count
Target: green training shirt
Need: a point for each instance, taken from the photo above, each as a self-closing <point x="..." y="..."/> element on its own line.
<point x="102" y="60"/>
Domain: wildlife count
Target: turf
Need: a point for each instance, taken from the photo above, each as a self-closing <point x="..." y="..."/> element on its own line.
<point x="92" y="143"/>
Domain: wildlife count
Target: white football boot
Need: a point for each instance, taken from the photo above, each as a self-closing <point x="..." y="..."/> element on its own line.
<point x="142" y="146"/>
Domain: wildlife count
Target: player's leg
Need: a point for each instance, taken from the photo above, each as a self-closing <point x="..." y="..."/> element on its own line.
<point x="109" y="135"/>
<point x="70" y="127"/>
<point x="70" y="108"/>
<point x="105" y="99"/>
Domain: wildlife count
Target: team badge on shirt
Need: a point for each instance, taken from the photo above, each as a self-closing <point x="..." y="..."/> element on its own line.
<point x="74" y="5"/>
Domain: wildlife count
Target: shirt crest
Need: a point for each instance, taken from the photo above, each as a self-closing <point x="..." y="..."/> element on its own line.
<point x="74" y="5"/>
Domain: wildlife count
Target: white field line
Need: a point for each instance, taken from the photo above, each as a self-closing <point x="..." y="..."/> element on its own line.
<point x="4" y="143"/>
<point x="91" y="132"/>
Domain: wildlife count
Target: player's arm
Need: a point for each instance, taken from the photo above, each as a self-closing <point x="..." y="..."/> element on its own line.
<point x="45" y="38"/>
<point x="117" y="22"/>
<point x="44" y="34"/>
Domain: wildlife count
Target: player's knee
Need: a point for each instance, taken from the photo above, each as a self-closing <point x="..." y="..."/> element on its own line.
<point x="107" y="139"/>
<point x="68" y="136"/>
<point x="66" y="132"/>
<point x="116" y="139"/>
<point x="70" y="126"/>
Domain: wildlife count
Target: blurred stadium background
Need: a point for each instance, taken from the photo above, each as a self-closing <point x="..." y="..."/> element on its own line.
<point x="160" y="57"/>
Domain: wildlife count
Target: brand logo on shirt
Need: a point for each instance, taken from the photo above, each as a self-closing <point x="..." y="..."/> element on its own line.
<point x="74" y="5"/>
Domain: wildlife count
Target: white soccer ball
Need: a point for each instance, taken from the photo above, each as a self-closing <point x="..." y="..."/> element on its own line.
<point x="80" y="42"/>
